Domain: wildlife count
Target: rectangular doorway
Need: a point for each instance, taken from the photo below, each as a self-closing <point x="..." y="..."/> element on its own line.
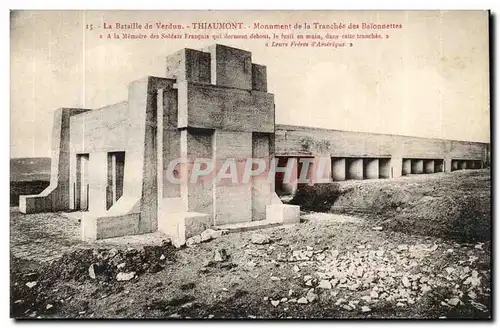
<point x="81" y="192"/>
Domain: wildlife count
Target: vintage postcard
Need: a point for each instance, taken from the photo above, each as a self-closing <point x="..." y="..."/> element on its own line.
<point x="250" y="164"/>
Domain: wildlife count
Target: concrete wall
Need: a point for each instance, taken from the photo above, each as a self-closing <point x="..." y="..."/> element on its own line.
<point x="129" y="127"/>
<point x="212" y="107"/>
<point x="304" y="141"/>
<point x="56" y="196"/>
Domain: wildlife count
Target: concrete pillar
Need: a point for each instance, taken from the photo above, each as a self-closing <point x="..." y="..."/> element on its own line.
<point x="338" y="169"/>
<point x="406" y="166"/>
<point x="354" y="168"/>
<point x="462" y="165"/>
<point x="438" y="165"/>
<point x="429" y="166"/>
<point x="417" y="166"/>
<point x="454" y="165"/>
<point x="232" y="200"/>
<point x="384" y="168"/>
<point x="370" y="168"/>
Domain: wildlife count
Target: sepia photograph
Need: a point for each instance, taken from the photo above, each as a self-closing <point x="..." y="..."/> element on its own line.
<point x="250" y="164"/>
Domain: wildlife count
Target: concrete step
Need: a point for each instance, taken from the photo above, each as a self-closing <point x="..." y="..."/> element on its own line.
<point x="248" y="226"/>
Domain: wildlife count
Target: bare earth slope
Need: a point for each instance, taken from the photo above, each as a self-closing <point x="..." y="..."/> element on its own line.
<point x="450" y="205"/>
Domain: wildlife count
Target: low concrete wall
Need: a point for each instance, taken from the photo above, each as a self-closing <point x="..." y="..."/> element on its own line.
<point x="56" y="196"/>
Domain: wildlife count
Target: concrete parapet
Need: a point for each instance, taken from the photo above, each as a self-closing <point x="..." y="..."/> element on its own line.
<point x="29" y="204"/>
<point x="285" y="214"/>
<point x="417" y="166"/>
<point x="338" y="169"/>
<point x="370" y="168"/>
<point x="354" y="168"/>
<point x="94" y="228"/>
<point x="428" y="166"/>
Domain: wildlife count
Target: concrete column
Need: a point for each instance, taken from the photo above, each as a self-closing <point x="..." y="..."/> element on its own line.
<point x="384" y="168"/>
<point x="159" y="148"/>
<point x="438" y="165"/>
<point x="370" y="168"/>
<point x="429" y="166"/>
<point x="406" y="166"/>
<point x="454" y="165"/>
<point x="417" y="166"/>
<point x="354" y="168"/>
<point x="462" y="165"/>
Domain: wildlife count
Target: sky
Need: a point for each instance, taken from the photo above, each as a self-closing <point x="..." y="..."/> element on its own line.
<point x="428" y="79"/>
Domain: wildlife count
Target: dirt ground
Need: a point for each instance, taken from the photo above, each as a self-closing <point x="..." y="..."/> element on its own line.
<point x="453" y="205"/>
<point x="328" y="266"/>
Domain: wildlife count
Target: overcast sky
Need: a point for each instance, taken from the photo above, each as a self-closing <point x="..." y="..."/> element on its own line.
<point x="429" y="79"/>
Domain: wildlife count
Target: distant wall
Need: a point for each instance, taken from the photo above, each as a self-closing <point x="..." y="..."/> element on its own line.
<point x="297" y="141"/>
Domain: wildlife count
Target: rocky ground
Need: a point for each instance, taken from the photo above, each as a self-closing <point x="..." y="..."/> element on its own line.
<point x="328" y="266"/>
